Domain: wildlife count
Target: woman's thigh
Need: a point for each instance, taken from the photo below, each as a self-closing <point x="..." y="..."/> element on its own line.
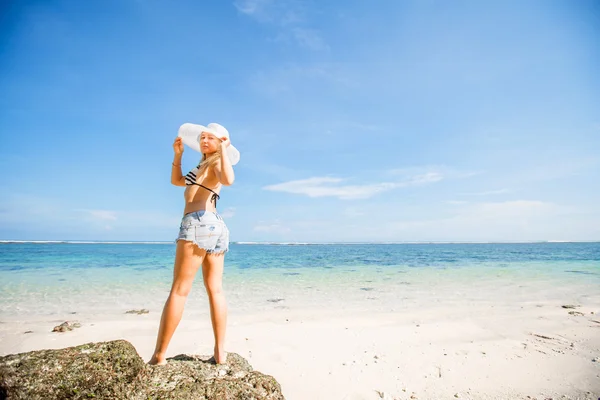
<point x="188" y="258"/>
<point x="212" y="271"/>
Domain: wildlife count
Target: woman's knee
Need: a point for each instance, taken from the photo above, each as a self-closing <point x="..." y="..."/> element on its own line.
<point x="213" y="288"/>
<point x="181" y="289"/>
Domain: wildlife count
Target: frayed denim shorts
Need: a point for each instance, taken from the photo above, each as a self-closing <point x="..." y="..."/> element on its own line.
<point x="206" y="229"/>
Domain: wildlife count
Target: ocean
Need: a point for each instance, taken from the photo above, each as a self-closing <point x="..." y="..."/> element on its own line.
<point x="57" y="279"/>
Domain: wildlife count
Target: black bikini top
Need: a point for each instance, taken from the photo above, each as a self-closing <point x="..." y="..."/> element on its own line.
<point x="190" y="179"/>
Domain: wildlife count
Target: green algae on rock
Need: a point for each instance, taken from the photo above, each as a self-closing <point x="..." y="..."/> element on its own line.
<point x="114" y="370"/>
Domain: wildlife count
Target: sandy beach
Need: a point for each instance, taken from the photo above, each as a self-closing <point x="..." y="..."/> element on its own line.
<point x="430" y="348"/>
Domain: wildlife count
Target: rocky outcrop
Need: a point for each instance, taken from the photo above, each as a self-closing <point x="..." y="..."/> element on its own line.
<point x="138" y="312"/>
<point x="66" y="326"/>
<point x="114" y="370"/>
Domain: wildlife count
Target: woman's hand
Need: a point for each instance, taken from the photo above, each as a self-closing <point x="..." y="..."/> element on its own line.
<point x="224" y="143"/>
<point x="178" y="146"/>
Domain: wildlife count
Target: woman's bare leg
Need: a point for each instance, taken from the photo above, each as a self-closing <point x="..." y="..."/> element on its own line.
<point x="188" y="258"/>
<point x="212" y="271"/>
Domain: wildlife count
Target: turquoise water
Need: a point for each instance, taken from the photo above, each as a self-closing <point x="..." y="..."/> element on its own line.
<point x="59" y="278"/>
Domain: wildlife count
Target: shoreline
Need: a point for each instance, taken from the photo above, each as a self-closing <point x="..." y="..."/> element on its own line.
<point x="473" y="321"/>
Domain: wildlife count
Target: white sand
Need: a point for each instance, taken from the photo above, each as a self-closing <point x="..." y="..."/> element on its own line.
<point x="484" y="350"/>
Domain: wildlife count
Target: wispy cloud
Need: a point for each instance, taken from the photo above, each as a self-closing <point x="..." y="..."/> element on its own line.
<point x="446" y="171"/>
<point x="329" y="186"/>
<point x="353" y="212"/>
<point x="290" y="78"/>
<point x="486" y="193"/>
<point x="102" y="215"/>
<point x="515" y="220"/>
<point x="508" y="220"/>
<point x="274" y="170"/>
<point x="560" y="169"/>
<point x="309" y="38"/>
<point x="228" y="212"/>
<point x="55" y="218"/>
<point x="274" y="227"/>
<point x="276" y="12"/>
<point x="251" y="7"/>
<point x="514" y="208"/>
<point x="289" y="17"/>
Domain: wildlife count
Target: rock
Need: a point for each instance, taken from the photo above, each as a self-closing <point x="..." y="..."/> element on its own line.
<point x="570" y="306"/>
<point x="576" y="313"/>
<point x="114" y="370"/>
<point x="66" y="326"/>
<point x="138" y="312"/>
<point x="596" y="359"/>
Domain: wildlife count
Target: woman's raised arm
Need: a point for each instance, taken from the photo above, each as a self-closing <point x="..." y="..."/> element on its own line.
<point x="177" y="178"/>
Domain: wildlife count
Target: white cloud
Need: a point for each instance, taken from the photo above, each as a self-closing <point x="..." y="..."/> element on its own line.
<point x="486" y="193"/>
<point x="516" y="220"/>
<point x="326" y="186"/>
<point x="447" y="172"/>
<point x="103" y="215"/>
<point x="251" y="7"/>
<point x="288" y="16"/>
<point x="228" y="212"/>
<point x="281" y="13"/>
<point x="56" y="219"/>
<point x="360" y="126"/>
<point x="309" y="38"/>
<point x="509" y="220"/>
<point x="514" y="208"/>
<point x="275" y="227"/>
<point x="353" y="212"/>
<point x="291" y="77"/>
<point x="422" y="179"/>
<point x="321" y="187"/>
<point x="559" y="169"/>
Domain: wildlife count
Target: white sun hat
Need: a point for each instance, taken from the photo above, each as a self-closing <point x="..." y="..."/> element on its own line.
<point x="190" y="135"/>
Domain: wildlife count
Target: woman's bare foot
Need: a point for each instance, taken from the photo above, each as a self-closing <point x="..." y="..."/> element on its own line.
<point x="156" y="360"/>
<point x="220" y="356"/>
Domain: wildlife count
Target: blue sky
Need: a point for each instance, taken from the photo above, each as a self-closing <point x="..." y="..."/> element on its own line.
<point x="356" y="121"/>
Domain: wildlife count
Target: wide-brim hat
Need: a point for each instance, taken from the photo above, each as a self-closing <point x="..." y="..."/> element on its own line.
<point x="190" y="135"/>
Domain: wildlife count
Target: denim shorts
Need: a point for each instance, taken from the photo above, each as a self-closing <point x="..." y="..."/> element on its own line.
<point x="206" y="229"/>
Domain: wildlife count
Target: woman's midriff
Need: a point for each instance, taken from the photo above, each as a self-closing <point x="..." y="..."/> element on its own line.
<point x="197" y="199"/>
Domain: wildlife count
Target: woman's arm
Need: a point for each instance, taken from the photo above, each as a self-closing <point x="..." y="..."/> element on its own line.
<point x="224" y="169"/>
<point x="177" y="178"/>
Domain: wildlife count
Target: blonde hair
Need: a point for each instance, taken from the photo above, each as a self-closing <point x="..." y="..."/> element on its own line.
<point x="209" y="161"/>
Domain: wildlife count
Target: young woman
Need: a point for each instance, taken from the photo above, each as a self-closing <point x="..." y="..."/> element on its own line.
<point x="203" y="236"/>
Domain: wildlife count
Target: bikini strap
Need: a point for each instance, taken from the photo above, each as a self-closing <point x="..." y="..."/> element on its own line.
<point x="214" y="197"/>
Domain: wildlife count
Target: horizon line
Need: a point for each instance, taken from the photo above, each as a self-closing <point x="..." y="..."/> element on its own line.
<point x="288" y="243"/>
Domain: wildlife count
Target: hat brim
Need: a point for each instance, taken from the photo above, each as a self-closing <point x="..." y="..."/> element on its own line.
<point x="190" y="135"/>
